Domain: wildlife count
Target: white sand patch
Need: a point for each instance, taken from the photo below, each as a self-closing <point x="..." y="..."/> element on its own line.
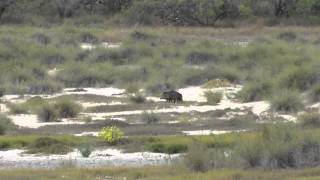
<point x="257" y="107"/>
<point x="196" y="93"/>
<point x="209" y="132"/>
<point x="289" y="118"/>
<point x="31" y="121"/>
<point x="53" y="72"/>
<point x="94" y="91"/>
<point x="14" y="98"/>
<point x="106" y="45"/>
<point x="109" y="45"/>
<point x="87" y="134"/>
<point x="4" y="108"/>
<point x="98" y="158"/>
<point x="90" y="104"/>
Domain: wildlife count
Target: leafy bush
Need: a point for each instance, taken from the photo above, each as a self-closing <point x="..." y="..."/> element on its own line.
<point x="49" y="146"/>
<point x="310" y="119"/>
<point x="197" y="158"/>
<point x="286" y="101"/>
<point x="198" y="58"/>
<point x="85" y="149"/>
<point x="149" y="118"/>
<point x="255" y="91"/>
<point x="213" y="97"/>
<point x="315" y="94"/>
<point x="48" y="113"/>
<point x="216" y="83"/>
<point x="137" y="98"/>
<point x="280" y="146"/>
<point x="287" y="36"/>
<point x="111" y="134"/>
<point x="5" y="124"/>
<point x="166" y="148"/>
<point x="67" y="108"/>
<point x="18" y="109"/>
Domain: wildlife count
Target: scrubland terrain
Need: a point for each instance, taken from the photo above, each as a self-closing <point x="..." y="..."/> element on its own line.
<point x="250" y="111"/>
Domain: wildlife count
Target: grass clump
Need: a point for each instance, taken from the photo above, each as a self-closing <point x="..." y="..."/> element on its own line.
<point x="85" y="149"/>
<point x="150" y="118"/>
<point x="310" y="119"/>
<point x="67" y="108"/>
<point x="111" y="135"/>
<point x="315" y="93"/>
<point x="166" y="148"/>
<point x="216" y="83"/>
<point x="255" y="91"/>
<point x="18" y="109"/>
<point x="137" y="98"/>
<point x="286" y="101"/>
<point x="287" y="36"/>
<point x="49" y="145"/>
<point x="213" y="97"/>
<point x="48" y="113"/>
<point x="5" y="124"/>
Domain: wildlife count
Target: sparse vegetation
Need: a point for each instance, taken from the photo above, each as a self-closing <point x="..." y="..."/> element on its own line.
<point x="213" y="97"/>
<point x="150" y="118"/>
<point x="287" y="101"/>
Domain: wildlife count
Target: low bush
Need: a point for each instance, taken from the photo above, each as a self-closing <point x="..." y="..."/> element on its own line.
<point x="18" y="109"/>
<point x="199" y="58"/>
<point x="213" y="97"/>
<point x="315" y="93"/>
<point x="197" y="158"/>
<point x="255" y="91"/>
<point x="216" y="83"/>
<point x="67" y="108"/>
<point x="85" y="150"/>
<point x="137" y="98"/>
<point x="48" y="113"/>
<point x="286" y="101"/>
<point x="49" y="145"/>
<point x="310" y="119"/>
<point x="111" y="135"/>
<point x="5" y="124"/>
<point x="166" y="148"/>
<point x="287" y="36"/>
<point x="150" y="118"/>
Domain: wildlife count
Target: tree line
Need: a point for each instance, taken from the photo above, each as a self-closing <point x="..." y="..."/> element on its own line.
<point x="161" y="12"/>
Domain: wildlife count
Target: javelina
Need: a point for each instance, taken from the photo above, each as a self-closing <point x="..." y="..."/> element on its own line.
<point x="172" y="96"/>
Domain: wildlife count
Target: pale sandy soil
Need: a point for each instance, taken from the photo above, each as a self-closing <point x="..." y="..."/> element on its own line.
<point x="98" y="158"/>
<point x="209" y="132"/>
<point x="106" y="45"/>
<point x="31" y="121"/>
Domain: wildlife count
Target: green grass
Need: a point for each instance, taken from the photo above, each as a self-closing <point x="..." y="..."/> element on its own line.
<point x="160" y="173"/>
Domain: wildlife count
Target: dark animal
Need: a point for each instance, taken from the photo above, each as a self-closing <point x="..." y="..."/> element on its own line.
<point x="172" y="96"/>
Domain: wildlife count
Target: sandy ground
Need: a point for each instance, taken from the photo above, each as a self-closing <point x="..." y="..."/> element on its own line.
<point x="209" y="132"/>
<point x="31" y="121"/>
<point x="106" y="45"/>
<point x="98" y="158"/>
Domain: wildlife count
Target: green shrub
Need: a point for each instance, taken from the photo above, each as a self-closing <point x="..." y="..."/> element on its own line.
<point x="286" y="101"/>
<point x="111" y="134"/>
<point x="255" y="91"/>
<point x="67" y="108"/>
<point x="197" y="158"/>
<point x="85" y="150"/>
<point x="137" y="98"/>
<point x="18" y="109"/>
<point x="150" y="118"/>
<point x="5" y="124"/>
<point x="315" y="93"/>
<point x="48" y="113"/>
<point x="49" y="145"/>
<point x="310" y="119"/>
<point x="167" y="148"/>
<point x="213" y="97"/>
<point x="287" y="36"/>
